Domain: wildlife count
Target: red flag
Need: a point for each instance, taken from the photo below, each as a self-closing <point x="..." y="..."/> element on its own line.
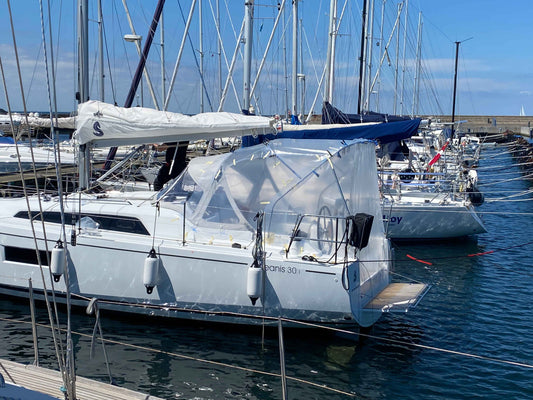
<point x="437" y="156"/>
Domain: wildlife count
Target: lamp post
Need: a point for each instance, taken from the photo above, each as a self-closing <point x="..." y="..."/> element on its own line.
<point x="136" y="39"/>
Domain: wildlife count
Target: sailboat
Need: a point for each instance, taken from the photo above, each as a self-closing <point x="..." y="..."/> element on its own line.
<point x="413" y="214"/>
<point x="19" y="156"/>
<point x="285" y="229"/>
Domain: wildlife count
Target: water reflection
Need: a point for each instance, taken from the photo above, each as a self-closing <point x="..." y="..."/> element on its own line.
<point x="477" y="305"/>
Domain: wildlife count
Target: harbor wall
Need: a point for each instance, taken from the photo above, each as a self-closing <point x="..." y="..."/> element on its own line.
<point x="483" y="124"/>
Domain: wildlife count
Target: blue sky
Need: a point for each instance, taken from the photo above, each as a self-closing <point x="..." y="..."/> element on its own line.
<point x="495" y="75"/>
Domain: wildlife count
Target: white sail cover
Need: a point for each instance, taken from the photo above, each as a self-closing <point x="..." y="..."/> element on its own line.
<point x="35" y="121"/>
<point x="104" y="124"/>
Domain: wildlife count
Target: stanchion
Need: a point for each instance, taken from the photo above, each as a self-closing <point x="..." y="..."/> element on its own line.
<point x="33" y="324"/>
<point x="282" y="361"/>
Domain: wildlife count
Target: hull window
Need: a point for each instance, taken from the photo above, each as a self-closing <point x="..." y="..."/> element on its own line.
<point x="26" y="256"/>
<point x="107" y="222"/>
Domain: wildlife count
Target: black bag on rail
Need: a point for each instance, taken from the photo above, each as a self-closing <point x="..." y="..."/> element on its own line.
<point x="359" y="227"/>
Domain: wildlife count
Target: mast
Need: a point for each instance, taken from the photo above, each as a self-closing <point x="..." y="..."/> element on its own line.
<point x="163" y="78"/>
<point x="219" y="52"/>
<point x="294" y="77"/>
<point x="285" y="73"/>
<point x="361" y="58"/>
<point x="333" y="49"/>
<point x="83" y="52"/>
<point x="201" y="51"/>
<point x="403" y="54"/>
<point x="455" y="85"/>
<point x="301" y="76"/>
<point x="83" y="84"/>
<point x="329" y="58"/>
<point x="396" y="66"/>
<point x="381" y="51"/>
<point x="101" y="49"/>
<point x="417" y="71"/>
<point x="369" y="48"/>
<point x="248" y="41"/>
<point x="455" y="81"/>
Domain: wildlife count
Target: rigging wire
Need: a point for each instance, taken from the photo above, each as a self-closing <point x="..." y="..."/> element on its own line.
<point x="237" y="38"/>
<point x="204" y="87"/>
<point x="15" y="137"/>
<point x="123" y="42"/>
<point x="197" y="359"/>
<point x="52" y="102"/>
<point x="505" y="180"/>
<point x="113" y="89"/>
<point x="70" y="375"/>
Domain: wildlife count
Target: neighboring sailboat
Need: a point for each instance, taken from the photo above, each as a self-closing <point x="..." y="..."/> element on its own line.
<point x="39" y="156"/>
<point x="428" y="216"/>
<point x="413" y="214"/>
<point x="19" y="156"/>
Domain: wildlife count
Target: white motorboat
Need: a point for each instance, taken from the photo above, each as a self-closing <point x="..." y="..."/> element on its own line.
<point x="285" y="229"/>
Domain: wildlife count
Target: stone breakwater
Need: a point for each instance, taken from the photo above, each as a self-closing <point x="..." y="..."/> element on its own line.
<point x="488" y="124"/>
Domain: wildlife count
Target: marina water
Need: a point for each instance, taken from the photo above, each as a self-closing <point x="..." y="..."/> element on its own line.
<point x="470" y="337"/>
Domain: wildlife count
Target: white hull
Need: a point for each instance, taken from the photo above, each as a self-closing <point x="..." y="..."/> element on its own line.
<point x="42" y="157"/>
<point x="193" y="277"/>
<point x="198" y="250"/>
<point x="420" y="221"/>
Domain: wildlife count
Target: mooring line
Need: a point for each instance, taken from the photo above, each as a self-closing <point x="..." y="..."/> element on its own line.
<point x="505" y="180"/>
<point x="202" y="360"/>
<point x="313" y="325"/>
<point x="464" y="256"/>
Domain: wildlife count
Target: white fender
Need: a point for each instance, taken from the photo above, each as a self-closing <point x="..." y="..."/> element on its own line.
<point x="57" y="261"/>
<point x="151" y="271"/>
<point x="254" y="283"/>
